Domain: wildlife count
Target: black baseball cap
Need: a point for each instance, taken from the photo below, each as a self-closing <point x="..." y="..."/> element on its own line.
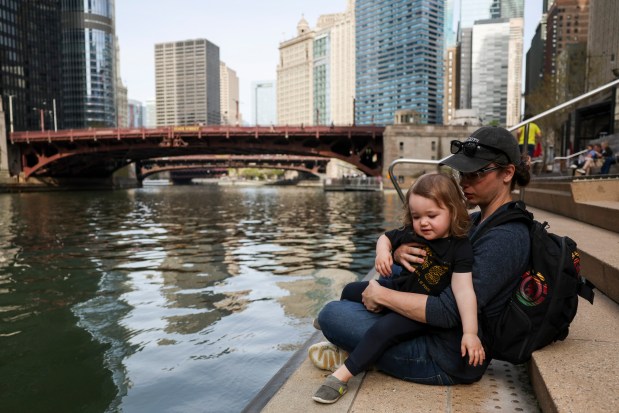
<point x="489" y="144"/>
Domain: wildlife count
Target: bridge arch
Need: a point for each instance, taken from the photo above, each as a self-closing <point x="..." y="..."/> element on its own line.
<point x="311" y="165"/>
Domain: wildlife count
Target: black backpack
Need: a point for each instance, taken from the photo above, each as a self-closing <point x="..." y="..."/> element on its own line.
<point x="546" y="298"/>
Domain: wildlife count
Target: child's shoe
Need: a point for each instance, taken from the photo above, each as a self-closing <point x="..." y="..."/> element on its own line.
<point x="330" y="391"/>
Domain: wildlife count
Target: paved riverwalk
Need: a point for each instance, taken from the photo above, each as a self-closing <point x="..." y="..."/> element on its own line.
<point x="575" y="375"/>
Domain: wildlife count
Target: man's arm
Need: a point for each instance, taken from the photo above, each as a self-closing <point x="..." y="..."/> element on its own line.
<point x="410" y="305"/>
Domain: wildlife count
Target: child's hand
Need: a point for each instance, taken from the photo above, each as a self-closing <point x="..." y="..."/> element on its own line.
<point x="472" y="344"/>
<point x="383" y="264"/>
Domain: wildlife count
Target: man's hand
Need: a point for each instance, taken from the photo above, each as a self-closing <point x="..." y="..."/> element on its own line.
<point x="371" y="296"/>
<point x="408" y="254"/>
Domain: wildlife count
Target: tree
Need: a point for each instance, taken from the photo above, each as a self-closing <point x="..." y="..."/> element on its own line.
<point x="565" y="83"/>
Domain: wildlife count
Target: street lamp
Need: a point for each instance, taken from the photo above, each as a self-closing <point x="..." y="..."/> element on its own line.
<point x="54" y="109"/>
<point x="42" y="117"/>
<point x="11" y="112"/>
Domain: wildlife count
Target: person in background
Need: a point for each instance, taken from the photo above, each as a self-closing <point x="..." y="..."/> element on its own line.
<point x="435" y="217"/>
<point x="609" y="158"/>
<point x="593" y="158"/>
<point x="535" y="134"/>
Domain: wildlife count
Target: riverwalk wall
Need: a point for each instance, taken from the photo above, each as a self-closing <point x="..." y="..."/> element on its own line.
<point x="417" y="142"/>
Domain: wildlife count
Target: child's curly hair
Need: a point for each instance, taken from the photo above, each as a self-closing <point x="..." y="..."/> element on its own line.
<point x="445" y="191"/>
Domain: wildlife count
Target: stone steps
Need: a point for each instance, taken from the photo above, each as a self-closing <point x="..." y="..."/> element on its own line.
<point x="593" y="201"/>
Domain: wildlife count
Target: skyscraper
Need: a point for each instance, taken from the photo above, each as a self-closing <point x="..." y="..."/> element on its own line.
<point x="567" y="23"/>
<point x="485" y="25"/>
<point x="466" y="50"/>
<point x="228" y="95"/>
<point x="316" y="72"/>
<point x="473" y="10"/>
<point x="187" y="83"/>
<point x="334" y="67"/>
<point x="452" y="77"/>
<point x="264" y="100"/>
<point x="399" y="60"/>
<point x="603" y="46"/>
<point x="135" y="116"/>
<point x="58" y="63"/>
<point x="150" y="114"/>
<point x="30" y="69"/>
<point x="295" y="78"/>
<point x="88" y="64"/>
<point x="496" y="70"/>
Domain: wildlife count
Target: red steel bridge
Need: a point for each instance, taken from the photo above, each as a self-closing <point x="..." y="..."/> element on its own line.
<point x="100" y="152"/>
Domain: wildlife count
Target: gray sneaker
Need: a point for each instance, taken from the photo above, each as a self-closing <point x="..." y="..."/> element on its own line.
<point x="330" y="391"/>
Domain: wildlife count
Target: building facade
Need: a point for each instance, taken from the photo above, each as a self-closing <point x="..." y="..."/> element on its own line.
<point x="30" y="73"/>
<point x="122" y="98"/>
<point x="59" y="64"/>
<point x="399" y="60"/>
<point x="514" y="71"/>
<point x="452" y="80"/>
<point x="567" y="23"/>
<point x="334" y="67"/>
<point x="316" y="72"/>
<point x="496" y="51"/>
<point x="135" y="114"/>
<point x="88" y="64"/>
<point x="228" y="95"/>
<point x="295" y="78"/>
<point x="264" y="103"/>
<point x="471" y="13"/>
<point x="602" y="43"/>
<point x="150" y="114"/>
<point x="466" y="52"/>
<point x="187" y="83"/>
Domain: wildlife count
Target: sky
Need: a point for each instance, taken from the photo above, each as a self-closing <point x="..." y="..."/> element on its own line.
<point x="248" y="33"/>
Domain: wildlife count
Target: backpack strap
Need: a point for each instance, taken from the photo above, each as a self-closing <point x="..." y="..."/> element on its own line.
<point x="585" y="289"/>
<point x="515" y="211"/>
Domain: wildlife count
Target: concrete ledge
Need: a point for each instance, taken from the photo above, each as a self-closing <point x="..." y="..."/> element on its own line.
<point x="594" y="201"/>
<point x="580" y="373"/>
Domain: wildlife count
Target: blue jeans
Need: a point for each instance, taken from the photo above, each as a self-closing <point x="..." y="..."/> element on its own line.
<point x="344" y="323"/>
<point x="608" y="161"/>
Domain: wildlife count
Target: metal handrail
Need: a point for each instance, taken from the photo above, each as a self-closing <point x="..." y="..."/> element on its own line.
<point x="394" y="181"/>
<point x="565" y="104"/>
<point x="511" y="129"/>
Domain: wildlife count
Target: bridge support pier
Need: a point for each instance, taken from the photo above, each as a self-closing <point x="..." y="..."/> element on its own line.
<point x="5" y="176"/>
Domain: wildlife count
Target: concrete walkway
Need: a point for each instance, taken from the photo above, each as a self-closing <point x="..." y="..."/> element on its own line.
<point x="577" y="375"/>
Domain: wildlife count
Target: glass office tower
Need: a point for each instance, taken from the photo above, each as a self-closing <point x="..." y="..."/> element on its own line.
<point x="30" y="63"/>
<point x="399" y="60"/>
<point x="88" y="66"/>
<point x="264" y="100"/>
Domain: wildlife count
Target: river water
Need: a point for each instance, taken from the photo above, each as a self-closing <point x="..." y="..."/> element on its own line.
<point x="169" y="299"/>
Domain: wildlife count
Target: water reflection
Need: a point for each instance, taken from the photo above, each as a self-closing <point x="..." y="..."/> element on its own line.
<point x="166" y="293"/>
